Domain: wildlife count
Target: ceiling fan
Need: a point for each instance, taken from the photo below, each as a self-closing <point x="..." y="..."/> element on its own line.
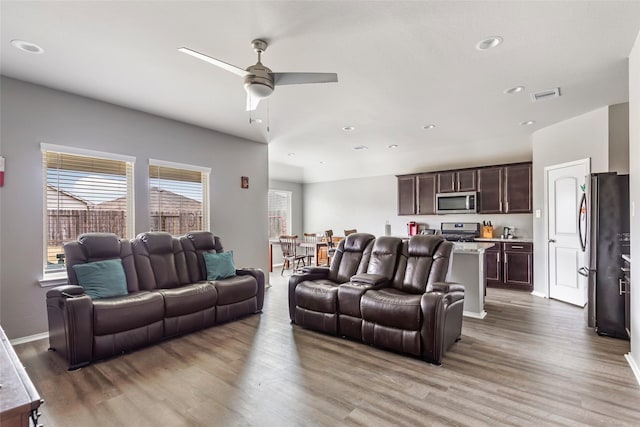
<point x="260" y="81"/>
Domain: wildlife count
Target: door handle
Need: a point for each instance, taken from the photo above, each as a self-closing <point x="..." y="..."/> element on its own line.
<point x="583" y="271"/>
<point x="552" y="240"/>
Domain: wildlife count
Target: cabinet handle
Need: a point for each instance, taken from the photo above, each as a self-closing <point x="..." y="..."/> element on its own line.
<point x="500" y="206"/>
<point x="507" y="203"/>
<point x="517" y="247"/>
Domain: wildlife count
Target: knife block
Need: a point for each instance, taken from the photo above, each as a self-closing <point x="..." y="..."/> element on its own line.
<point x="487" y="231"/>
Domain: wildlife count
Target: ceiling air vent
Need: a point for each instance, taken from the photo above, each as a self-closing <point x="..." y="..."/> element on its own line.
<point x="545" y="94"/>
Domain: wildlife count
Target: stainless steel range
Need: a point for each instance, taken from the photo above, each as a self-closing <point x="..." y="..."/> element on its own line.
<point x="460" y="231"/>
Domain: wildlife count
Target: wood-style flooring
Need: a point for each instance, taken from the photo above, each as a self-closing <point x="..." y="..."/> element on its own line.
<point x="530" y="362"/>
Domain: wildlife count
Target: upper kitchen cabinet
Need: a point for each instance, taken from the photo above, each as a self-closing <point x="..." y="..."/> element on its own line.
<point x="407" y="195"/>
<point x="461" y="180"/>
<point x="518" y="188"/>
<point x="490" y="189"/>
<point x="427" y="194"/>
<point x="505" y="189"/>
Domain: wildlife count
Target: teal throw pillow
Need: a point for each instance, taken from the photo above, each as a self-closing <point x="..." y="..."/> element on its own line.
<point x="102" y="279"/>
<point x="219" y="266"/>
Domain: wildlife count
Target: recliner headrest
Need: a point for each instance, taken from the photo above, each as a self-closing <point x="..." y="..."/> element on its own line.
<point x="424" y="245"/>
<point x="100" y="245"/>
<point x="204" y="240"/>
<point x="357" y="242"/>
<point x="157" y="242"/>
<point x="386" y="245"/>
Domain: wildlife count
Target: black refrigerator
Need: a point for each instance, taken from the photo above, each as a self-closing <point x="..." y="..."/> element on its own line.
<point x="604" y="237"/>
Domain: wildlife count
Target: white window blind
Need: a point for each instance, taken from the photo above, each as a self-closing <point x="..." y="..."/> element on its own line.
<point x="279" y="211"/>
<point x="84" y="191"/>
<point x="178" y="197"/>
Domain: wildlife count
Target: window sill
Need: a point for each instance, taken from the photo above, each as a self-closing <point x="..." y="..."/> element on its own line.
<point x="54" y="279"/>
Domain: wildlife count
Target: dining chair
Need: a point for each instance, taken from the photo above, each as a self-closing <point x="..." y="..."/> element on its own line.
<point x="289" y="245"/>
<point x="352" y="231"/>
<point x="331" y="248"/>
<point x="310" y="252"/>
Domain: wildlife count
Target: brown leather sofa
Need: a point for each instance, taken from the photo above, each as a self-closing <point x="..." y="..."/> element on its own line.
<point x="167" y="295"/>
<point x="398" y="301"/>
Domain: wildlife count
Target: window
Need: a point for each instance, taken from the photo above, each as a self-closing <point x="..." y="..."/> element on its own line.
<point x="83" y="191"/>
<point x="178" y="197"/>
<point x="279" y="210"/>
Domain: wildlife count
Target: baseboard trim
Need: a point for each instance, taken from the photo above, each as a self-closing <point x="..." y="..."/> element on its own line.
<point x="634" y="366"/>
<point x="29" y="338"/>
<point x="538" y="294"/>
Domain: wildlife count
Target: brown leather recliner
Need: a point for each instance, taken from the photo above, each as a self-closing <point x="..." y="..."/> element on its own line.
<point x="380" y="271"/>
<point x="82" y="329"/>
<point x="419" y="313"/>
<point x="237" y="296"/>
<point x="161" y="263"/>
<point x="313" y="295"/>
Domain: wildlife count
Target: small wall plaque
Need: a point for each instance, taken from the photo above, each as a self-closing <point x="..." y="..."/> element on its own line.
<point x="245" y="182"/>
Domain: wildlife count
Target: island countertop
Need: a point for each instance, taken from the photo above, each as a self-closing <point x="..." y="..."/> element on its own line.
<point x="471" y="247"/>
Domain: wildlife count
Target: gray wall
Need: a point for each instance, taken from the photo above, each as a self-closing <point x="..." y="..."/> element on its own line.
<point x="367" y="203"/>
<point x="33" y="114"/>
<point x="634" y="169"/>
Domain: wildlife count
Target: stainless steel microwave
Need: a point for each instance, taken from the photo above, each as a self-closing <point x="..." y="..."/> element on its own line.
<point x="457" y="203"/>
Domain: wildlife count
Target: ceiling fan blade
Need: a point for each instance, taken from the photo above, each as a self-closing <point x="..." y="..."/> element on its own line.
<point x="252" y="102"/>
<point x="214" y="61"/>
<point x="280" y="79"/>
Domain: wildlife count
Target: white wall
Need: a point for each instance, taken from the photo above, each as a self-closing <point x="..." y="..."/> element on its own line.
<point x="619" y="138"/>
<point x="634" y="169"/>
<point x="33" y="114"/>
<point x="585" y="136"/>
<point x="367" y="203"/>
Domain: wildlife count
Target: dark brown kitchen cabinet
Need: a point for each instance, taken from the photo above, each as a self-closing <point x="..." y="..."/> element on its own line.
<point x="426" y="194"/>
<point x="493" y="265"/>
<point x="407" y="195"/>
<point x="505" y="189"/>
<point x="517" y="188"/>
<point x="490" y="190"/>
<point x="462" y="180"/>
<point x="510" y="265"/>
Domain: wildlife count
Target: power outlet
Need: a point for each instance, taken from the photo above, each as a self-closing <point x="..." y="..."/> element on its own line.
<point x="538" y="213"/>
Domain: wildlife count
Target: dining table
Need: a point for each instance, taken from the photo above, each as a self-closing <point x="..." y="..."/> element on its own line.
<point x="315" y="245"/>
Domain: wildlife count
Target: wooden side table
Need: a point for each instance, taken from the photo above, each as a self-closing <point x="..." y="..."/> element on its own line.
<point x="19" y="399"/>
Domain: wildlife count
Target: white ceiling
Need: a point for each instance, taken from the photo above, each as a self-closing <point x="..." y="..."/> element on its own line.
<point x="400" y="65"/>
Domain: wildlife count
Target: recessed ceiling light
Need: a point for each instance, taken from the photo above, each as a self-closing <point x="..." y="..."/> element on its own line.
<point x="527" y="123"/>
<point x="427" y="127"/>
<point x="291" y="154"/>
<point x="322" y="163"/>
<point x="252" y="121"/>
<point x="392" y="146"/>
<point x="360" y="147"/>
<point x="348" y="128"/>
<point x="27" y="46"/>
<point x="489" y="43"/>
<point x="515" y="89"/>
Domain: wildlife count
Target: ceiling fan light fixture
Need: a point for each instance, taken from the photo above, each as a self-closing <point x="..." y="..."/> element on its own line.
<point x="258" y="90"/>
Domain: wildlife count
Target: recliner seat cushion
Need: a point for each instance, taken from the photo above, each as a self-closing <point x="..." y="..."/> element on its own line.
<point x="393" y="308"/>
<point x="317" y="295"/>
<point x="189" y="299"/>
<point x="235" y="289"/>
<point x="128" y="312"/>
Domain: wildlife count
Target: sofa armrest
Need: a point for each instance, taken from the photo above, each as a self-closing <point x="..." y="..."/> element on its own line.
<point x="257" y="274"/>
<point x="316" y="270"/>
<point x="67" y="291"/>
<point x="375" y="280"/>
<point x="447" y="287"/>
<point x="71" y="325"/>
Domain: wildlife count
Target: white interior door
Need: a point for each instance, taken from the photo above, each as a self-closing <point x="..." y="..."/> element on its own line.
<point x="564" y="188"/>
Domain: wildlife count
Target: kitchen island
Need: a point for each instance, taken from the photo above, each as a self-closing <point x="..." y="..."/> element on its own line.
<point x="467" y="268"/>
